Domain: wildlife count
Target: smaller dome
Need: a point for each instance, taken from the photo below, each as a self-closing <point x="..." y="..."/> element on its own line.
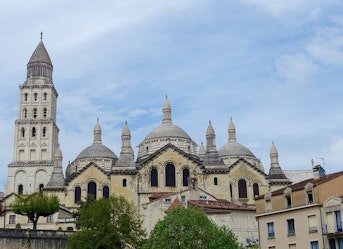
<point x="234" y="149"/>
<point x="97" y="150"/>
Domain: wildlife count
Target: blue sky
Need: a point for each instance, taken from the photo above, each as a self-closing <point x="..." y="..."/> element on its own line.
<point x="274" y="66"/>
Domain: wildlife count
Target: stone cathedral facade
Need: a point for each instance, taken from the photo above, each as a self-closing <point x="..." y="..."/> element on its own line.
<point x="169" y="169"/>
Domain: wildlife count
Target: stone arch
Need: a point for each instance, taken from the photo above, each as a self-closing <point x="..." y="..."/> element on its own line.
<point x="20" y="180"/>
<point x="41" y="177"/>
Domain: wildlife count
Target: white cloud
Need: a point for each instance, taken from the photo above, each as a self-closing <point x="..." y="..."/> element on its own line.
<point x="327" y="45"/>
<point x="296" y="68"/>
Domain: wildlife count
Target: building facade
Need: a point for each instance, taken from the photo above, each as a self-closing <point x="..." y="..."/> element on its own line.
<point x="167" y="157"/>
<point x="303" y="215"/>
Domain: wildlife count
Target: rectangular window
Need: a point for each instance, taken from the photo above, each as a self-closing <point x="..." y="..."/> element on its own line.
<point x="183" y="199"/>
<point x="291" y="227"/>
<point x="50" y="218"/>
<point x="167" y="200"/>
<point x="292" y="246"/>
<point x="314" y="245"/>
<point x="29" y="221"/>
<point x="271" y="233"/>
<point x="272" y="247"/>
<point x="288" y="201"/>
<point x="312" y="223"/>
<point x="11" y="219"/>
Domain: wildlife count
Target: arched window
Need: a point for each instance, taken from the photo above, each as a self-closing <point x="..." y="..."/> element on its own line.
<point x="124" y="182"/>
<point x="215" y="181"/>
<point x="92" y="189"/>
<point x="33" y="131"/>
<point x="45" y="111"/>
<point x="256" y="189"/>
<point x="185" y="176"/>
<point x="36" y="96"/>
<point x="22" y="132"/>
<point x="45" y="96"/>
<point x="20" y="189"/>
<point x="242" y="189"/>
<point x="34" y="112"/>
<point x="154" y="177"/>
<point x="231" y="193"/>
<point x="44" y="132"/>
<point x="25" y="96"/>
<point x="41" y="186"/>
<point x="25" y="113"/>
<point x="170" y="175"/>
<point x="105" y="192"/>
<point x="77" y="195"/>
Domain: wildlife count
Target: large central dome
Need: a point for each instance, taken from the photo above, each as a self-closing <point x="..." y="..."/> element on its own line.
<point x="167" y="130"/>
<point x="165" y="133"/>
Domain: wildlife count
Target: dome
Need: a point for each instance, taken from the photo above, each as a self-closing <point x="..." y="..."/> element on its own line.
<point x="167" y="130"/>
<point x="97" y="150"/>
<point x="166" y="133"/>
<point x="234" y="149"/>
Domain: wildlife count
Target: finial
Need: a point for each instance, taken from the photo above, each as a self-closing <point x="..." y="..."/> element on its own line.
<point x="273" y="142"/>
<point x="126" y="122"/>
<point x="97" y="119"/>
<point x="231" y="118"/>
<point x="209" y="122"/>
<point x="41" y="35"/>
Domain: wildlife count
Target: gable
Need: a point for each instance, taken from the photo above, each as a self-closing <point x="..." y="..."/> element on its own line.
<point x="91" y="171"/>
<point x="244" y="168"/>
<point x="173" y="155"/>
<point x="332" y="201"/>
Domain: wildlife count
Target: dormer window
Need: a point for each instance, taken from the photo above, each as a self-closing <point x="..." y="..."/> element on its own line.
<point x="288" y="197"/>
<point x="309" y="193"/>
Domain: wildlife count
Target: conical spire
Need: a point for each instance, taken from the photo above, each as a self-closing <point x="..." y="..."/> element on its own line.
<point x="166" y="111"/>
<point x="97" y="132"/>
<point x="274" y="156"/>
<point x="126" y="158"/>
<point x="232" y="131"/>
<point x="126" y="140"/>
<point x="276" y="175"/>
<point x="210" y="138"/>
<point x="57" y="178"/>
<point x="40" y="63"/>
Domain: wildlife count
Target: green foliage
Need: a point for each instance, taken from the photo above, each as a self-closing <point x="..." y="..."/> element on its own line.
<point x="35" y="206"/>
<point x="17" y="226"/>
<point x="190" y="228"/>
<point x="108" y="223"/>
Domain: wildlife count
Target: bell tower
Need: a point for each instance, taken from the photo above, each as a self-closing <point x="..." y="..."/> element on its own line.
<point x="36" y="131"/>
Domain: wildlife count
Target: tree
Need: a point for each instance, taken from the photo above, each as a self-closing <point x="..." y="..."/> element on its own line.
<point x="190" y="228"/>
<point x="108" y="223"/>
<point x="35" y="206"/>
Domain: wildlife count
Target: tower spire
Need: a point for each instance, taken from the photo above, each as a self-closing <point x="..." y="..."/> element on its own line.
<point x="166" y="111"/>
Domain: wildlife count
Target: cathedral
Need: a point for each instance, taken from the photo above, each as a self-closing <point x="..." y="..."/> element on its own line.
<point x="167" y="171"/>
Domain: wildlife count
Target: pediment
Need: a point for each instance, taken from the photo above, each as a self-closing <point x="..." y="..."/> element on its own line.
<point x="244" y="167"/>
<point x="170" y="152"/>
<point x="332" y="201"/>
<point x="90" y="171"/>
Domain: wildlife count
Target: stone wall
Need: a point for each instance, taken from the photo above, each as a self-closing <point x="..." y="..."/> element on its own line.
<point x="31" y="239"/>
